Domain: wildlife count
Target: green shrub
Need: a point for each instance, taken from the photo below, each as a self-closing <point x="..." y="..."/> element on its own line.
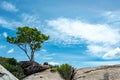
<point x="66" y="71"/>
<point x="12" y="61"/>
<point x="53" y="69"/>
<point x="16" y="70"/>
<point x="11" y="65"/>
<point x="3" y="60"/>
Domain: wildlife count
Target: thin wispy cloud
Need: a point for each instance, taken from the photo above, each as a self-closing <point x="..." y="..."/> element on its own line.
<point x="2" y="46"/>
<point x="5" y="34"/>
<point x="8" y="7"/>
<point x="43" y="50"/>
<point x="112" y="18"/>
<point x="10" y="51"/>
<point x="30" y="20"/>
<point x="9" y="24"/>
<point x="25" y="20"/>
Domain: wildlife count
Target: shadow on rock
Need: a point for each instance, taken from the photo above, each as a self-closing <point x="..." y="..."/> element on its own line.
<point x="32" y="67"/>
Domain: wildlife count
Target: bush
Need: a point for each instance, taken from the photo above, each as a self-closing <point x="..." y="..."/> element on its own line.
<point x="16" y="70"/>
<point x="12" y="61"/>
<point x="53" y="69"/>
<point x="66" y="71"/>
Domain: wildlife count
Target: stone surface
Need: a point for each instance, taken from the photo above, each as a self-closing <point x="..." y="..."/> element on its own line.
<point x="6" y="75"/>
<point x="98" y="73"/>
<point x="32" y="67"/>
<point x="45" y="63"/>
<point x="45" y="75"/>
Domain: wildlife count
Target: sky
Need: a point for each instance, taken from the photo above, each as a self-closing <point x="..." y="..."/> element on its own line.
<point x="83" y="33"/>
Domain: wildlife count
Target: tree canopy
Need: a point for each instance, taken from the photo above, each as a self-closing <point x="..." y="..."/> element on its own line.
<point x="26" y="38"/>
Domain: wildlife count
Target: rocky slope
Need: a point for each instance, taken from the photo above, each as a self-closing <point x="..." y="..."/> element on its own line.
<point x="45" y="75"/>
<point x="6" y="75"/>
<point x="98" y="73"/>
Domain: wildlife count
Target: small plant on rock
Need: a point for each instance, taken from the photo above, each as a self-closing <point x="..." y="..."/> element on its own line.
<point x="53" y="69"/>
<point x="66" y="71"/>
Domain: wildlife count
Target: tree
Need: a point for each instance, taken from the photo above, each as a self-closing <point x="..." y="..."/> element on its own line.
<point x="28" y="38"/>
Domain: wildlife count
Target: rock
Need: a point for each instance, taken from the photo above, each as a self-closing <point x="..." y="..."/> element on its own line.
<point x="45" y="66"/>
<point x="32" y="67"/>
<point x="98" y="73"/>
<point x="24" y="64"/>
<point x="6" y="75"/>
<point x="44" y="75"/>
<point x="45" y="63"/>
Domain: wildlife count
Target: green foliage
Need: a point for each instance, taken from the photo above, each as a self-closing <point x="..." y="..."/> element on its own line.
<point x="12" y="61"/>
<point x="66" y="71"/>
<point x="11" y="65"/>
<point x="3" y="60"/>
<point x="28" y="37"/>
<point x="53" y="69"/>
<point x="16" y="70"/>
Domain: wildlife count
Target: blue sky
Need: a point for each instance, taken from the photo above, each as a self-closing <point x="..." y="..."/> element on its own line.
<point x="83" y="33"/>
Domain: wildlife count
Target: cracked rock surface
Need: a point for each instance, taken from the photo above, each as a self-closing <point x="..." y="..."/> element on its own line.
<point x="98" y="73"/>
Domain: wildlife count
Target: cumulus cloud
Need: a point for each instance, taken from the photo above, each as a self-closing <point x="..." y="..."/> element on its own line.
<point x="100" y="38"/>
<point x="8" y="7"/>
<point x="73" y="31"/>
<point x="5" y="34"/>
<point x="10" y="51"/>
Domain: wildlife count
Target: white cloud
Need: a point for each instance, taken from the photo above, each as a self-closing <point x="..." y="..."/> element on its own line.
<point x="43" y="50"/>
<point x="2" y="46"/>
<point x="26" y="20"/>
<point x="73" y="31"/>
<point x="54" y="63"/>
<point x="112" y="54"/>
<point x="112" y="18"/>
<point x="9" y="23"/>
<point x="2" y="21"/>
<point x="30" y="20"/>
<point x="8" y="7"/>
<point x="98" y="50"/>
<point x="112" y="15"/>
<point x="5" y="34"/>
<point x="10" y="51"/>
<point x="100" y="38"/>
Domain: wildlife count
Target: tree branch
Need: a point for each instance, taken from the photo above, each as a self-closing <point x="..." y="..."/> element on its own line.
<point x="24" y="49"/>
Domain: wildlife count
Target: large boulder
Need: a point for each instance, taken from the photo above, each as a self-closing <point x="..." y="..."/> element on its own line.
<point x="99" y="73"/>
<point x="32" y="67"/>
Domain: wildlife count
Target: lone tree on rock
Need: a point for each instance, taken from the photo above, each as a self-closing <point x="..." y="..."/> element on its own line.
<point x="28" y="38"/>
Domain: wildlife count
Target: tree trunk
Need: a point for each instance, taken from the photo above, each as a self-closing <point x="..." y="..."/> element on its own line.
<point x="32" y="56"/>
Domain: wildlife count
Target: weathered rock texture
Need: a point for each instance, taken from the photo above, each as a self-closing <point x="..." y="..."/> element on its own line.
<point x="98" y="73"/>
<point x="45" y="75"/>
<point x="32" y="67"/>
<point x="6" y="75"/>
